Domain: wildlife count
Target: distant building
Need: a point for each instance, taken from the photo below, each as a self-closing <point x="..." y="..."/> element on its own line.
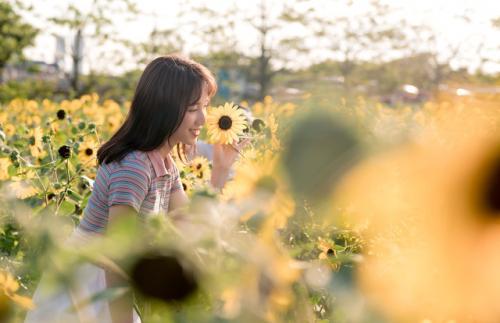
<point x="32" y="70"/>
<point x="39" y="70"/>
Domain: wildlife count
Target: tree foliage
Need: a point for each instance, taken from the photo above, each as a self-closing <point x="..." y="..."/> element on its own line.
<point x="15" y="34"/>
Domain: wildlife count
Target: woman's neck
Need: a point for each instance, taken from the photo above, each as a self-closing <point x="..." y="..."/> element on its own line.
<point x="165" y="150"/>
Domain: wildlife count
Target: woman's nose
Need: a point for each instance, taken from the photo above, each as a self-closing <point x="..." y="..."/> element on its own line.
<point x="202" y="115"/>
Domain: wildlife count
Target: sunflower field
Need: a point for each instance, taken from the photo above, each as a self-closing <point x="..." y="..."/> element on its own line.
<point x="356" y="212"/>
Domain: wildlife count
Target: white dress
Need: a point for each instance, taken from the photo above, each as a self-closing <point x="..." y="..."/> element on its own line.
<point x="56" y="304"/>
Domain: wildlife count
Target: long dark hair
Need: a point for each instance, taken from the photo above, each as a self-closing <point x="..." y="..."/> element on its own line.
<point x="168" y="85"/>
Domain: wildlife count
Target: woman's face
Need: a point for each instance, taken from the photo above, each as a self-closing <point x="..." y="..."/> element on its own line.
<point x="193" y="121"/>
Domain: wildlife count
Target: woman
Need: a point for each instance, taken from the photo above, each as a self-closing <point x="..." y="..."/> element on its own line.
<point x="137" y="175"/>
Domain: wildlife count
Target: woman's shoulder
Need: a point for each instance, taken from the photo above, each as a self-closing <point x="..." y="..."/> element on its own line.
<point x="135" y="159"/>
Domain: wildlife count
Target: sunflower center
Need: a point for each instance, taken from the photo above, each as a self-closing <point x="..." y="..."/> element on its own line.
<point x="198" y="166"/>
<point x="89" y="151"/>
<point x="163" y="277"/>
<point x="258" y="125"/>
<point x="492" y="195"/>
<point x="267" y="183"/>
<point x="225" y="123"/>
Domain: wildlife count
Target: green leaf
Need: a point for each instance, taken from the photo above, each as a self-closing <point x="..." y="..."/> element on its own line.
<point x="66" y="208"/>
<point x="12" y="170"/>
<point x="74" y="196"/>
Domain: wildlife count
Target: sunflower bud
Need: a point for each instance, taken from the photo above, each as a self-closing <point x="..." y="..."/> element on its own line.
<point x="64" y="151"/>
<point x="14" y="156"/>
<point x="61" y="114"/>
<point x="46" y="139"/>
<point x="258" y="125"/>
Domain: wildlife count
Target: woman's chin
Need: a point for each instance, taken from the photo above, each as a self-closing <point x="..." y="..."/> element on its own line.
<point x="190" y="142"/>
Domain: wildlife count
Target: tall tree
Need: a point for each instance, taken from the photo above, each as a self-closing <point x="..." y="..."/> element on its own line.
<point x="445" y="54"/>
<point x="356" y="32"/>
<point x="94" y="24"/>
<point x="160" y="42"/>
<point x="267" y="46"/>
<point x="280" y="49"/>
<point x="15" y="34"/>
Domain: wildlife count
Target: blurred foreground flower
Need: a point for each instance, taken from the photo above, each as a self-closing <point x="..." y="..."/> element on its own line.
<point x="9" y="287"/>
<point x="430" y="213"/>
<point x="320" y="148"/>
<point x="164" y="277"/>
<point x="5" y="162"/>
<point x="21" y="190"/>
<point x="36" y="143"/>
<point x="226" y="123"/>
<point x="258" y="183"/>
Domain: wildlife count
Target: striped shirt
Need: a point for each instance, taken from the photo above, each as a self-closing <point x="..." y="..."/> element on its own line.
<point x="140" y="180"/>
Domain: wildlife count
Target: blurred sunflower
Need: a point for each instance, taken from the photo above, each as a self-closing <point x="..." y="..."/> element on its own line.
<point x="5" y="162"/>
<point x="87" y="152"/>
<point x="9" y="129"/>
<point x="186" y="185"/>
<point x="21" y="190"/>
<point x="273" y="129"/>
<point x="114" y="122"/>
<point x="432" y="225"/>
<point x="226" y="123"/>
<point x="260" y="181"/>
<point x="328" y="253"/>
<point x="327" y="249"/>
<point x="267" y="287"/>
<point x="200" y="168"/>
<point x="253" y="177"/>
<point x="35" y="143"/>
<point x="9" y="287"/>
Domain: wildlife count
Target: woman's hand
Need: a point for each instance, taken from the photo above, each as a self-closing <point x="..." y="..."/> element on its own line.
<point x="224" y="157"/>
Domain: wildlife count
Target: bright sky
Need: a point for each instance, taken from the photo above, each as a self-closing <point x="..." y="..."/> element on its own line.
<point x="438" y="14"/>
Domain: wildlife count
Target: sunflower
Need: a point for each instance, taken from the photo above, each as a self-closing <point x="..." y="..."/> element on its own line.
<point x="36" y="143"/>
<point x="261" y="181"/>
<point x="186" y="185"/>
<point x="114" y="122"/>
<point x="21" y="190"/>
<point x="9" y="287"/>
<point x="200" y="168"/>
<point x="327" y="249"/>
<point x="328" y="253"/>
<point x="5" y="162"/>
<point x="87" y="152"/>
<point x="9" y="129"/>
<point x="226" y="123"/>
<point x="253" y="177"/>
<point x="273" y="132"/>
<point x="431" y="224"/>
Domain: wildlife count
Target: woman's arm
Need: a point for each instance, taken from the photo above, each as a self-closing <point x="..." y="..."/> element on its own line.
<point x="178" y="199"/>
<point x="224" y="156"/>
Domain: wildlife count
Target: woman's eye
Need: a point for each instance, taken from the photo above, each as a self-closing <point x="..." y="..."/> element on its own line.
<point x="197" y="107"/>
